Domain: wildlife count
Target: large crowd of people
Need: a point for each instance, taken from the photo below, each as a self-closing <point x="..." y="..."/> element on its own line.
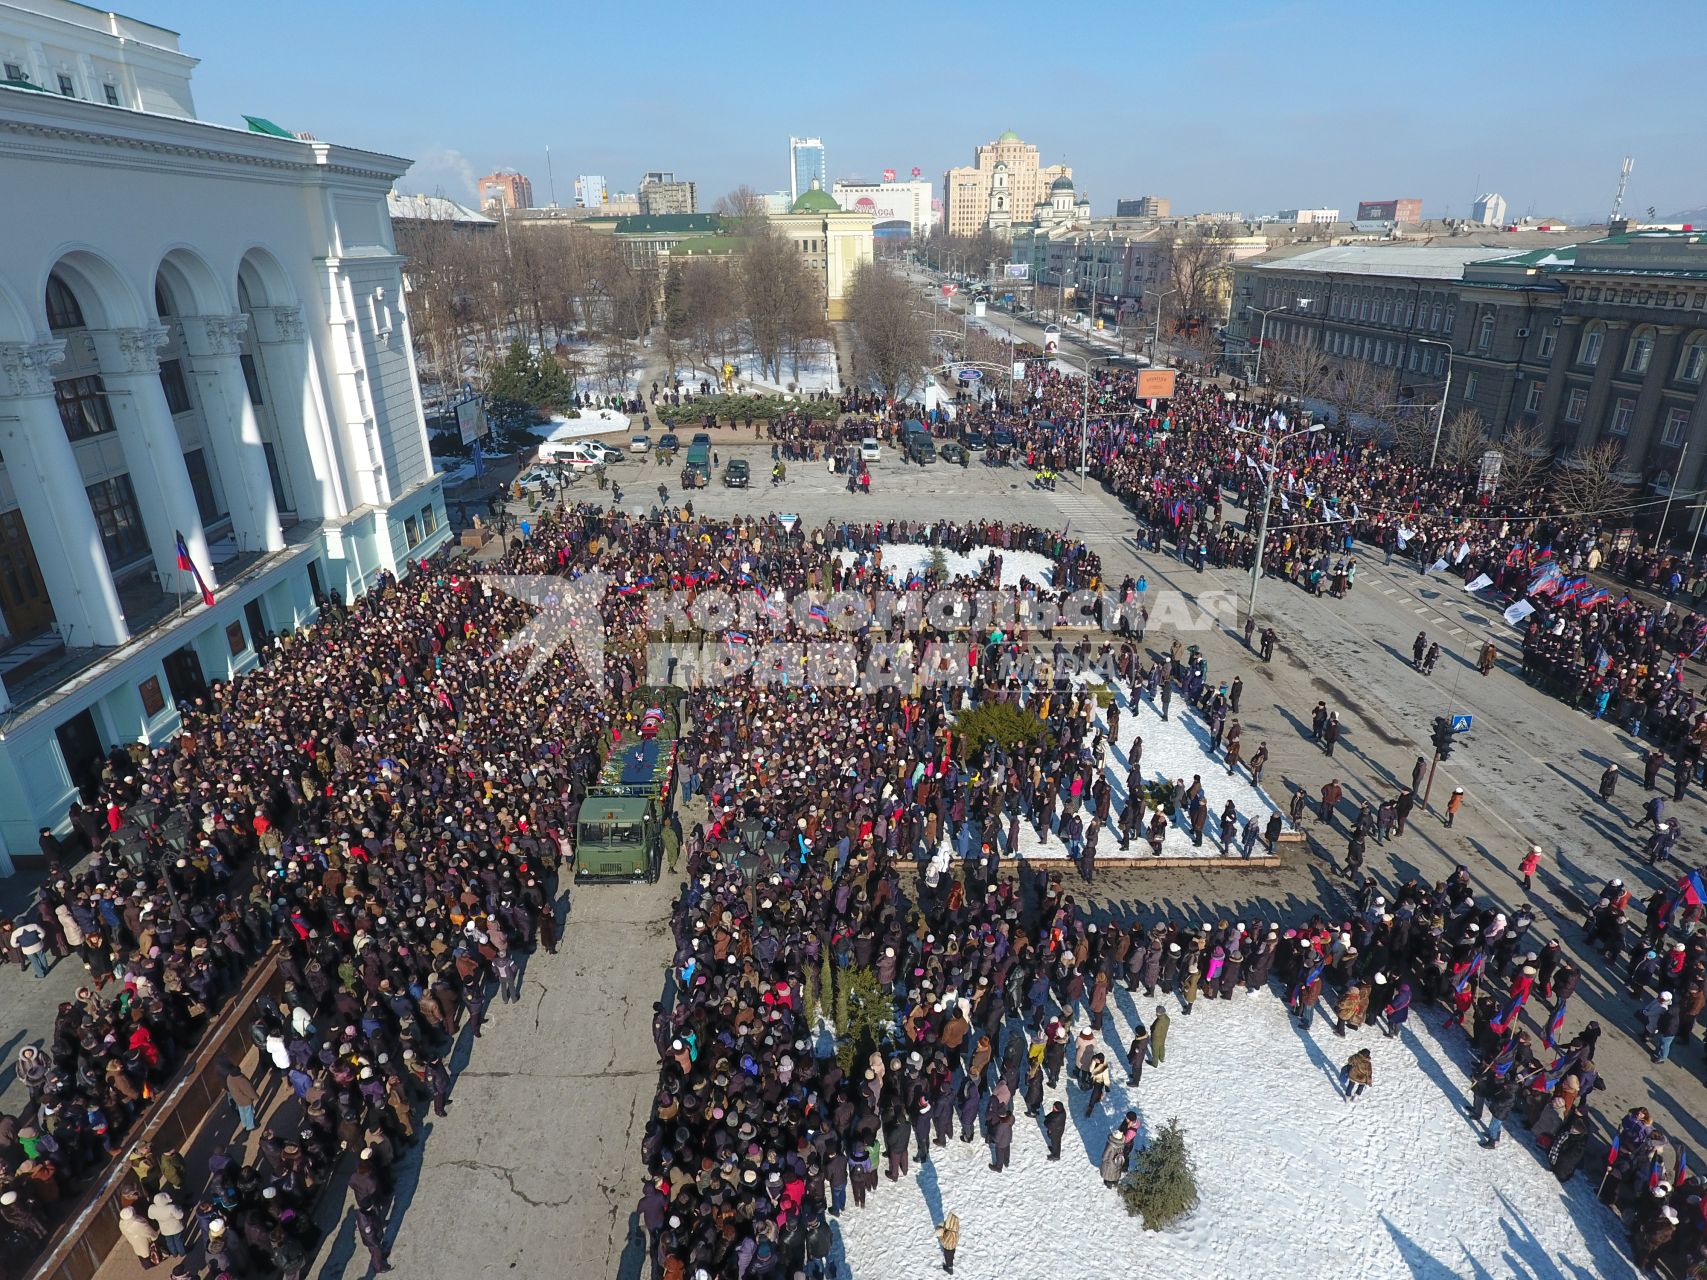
<point x="366" y="801"/>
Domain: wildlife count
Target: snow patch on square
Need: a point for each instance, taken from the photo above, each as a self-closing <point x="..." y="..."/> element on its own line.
<point x="592" y="422"/>
<point x="902" y="560"/>
<point x="1293" y="1180"/>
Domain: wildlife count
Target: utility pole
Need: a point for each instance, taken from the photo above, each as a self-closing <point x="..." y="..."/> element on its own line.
<point x="1670" y="494"/>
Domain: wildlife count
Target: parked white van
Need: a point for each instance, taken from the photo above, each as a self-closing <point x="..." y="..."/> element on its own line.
<point x="578" y="455"/>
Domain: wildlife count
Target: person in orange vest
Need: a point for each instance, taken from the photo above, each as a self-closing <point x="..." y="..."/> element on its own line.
<point x="1454" y="804"/>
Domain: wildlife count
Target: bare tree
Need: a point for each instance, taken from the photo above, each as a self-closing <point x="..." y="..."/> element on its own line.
<point x="774" y="279"/>
<point x="744" y="207"/>
<point x="1295" y="369"/>
<point x="1364" y="397"/>
<point x="1592" y="482"/>
<point x="891" y="339"/>
<point x="1525" y="461"/>
<point x="1463" y="440"/>
<point x="1195" y="256"/>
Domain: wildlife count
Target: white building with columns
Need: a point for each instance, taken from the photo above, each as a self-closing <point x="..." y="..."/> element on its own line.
<point x="202" y="332"/>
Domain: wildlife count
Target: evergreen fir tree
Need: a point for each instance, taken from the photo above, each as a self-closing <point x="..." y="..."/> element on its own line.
<point x="1162" y="1187"/>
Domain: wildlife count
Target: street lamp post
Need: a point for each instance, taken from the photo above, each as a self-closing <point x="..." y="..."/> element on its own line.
<point x="1084" y="414"/>
<point x="1440" y="414"/>
<point x="1262" y="339"/>
<point x="1267" y="502"/>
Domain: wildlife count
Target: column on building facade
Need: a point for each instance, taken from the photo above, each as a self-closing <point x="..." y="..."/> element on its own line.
<point x="49" y="487"/>
<point x="215" y="345"/>
<point x="281" y="345"/>
<point x="354" y="424"/>
<point x="1600" y="390"/>
<point x="130" y="369"/>
<point x="1643" y="436"/>
<point x="1564" y="351"/>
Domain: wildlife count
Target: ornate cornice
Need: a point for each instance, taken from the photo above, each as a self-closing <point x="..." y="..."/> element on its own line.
<point x="123" y="351"/>
<point x="215" y="335"/>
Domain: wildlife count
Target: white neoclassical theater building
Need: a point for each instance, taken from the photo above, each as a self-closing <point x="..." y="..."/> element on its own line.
<point x="202" y="332"/>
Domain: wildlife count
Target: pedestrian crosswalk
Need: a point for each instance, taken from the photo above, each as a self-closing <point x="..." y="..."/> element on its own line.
<point x="1090" y="514"/>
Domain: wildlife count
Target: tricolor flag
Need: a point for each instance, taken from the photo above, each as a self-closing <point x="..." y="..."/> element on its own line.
<point x="1503" y="1023"/>
<point x="1612" y="1153"/>
<point x="1593" y="598"/>
<point x="1471" y="971"/>
<point x="187" y="565"/>
<point x="1682" y="1168"/>
<point x="819" y="613"/>
<point x="771" y="608"/>
<point x="1571" y="590"/>
<point x="1553" y="1024"/>
<point x="734" y="638"/>
<point x="1545" y="581"/>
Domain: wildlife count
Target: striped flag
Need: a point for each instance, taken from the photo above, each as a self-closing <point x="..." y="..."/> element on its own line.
<point x="1612" y="1155"/>
<point x="1553" y="1024"/>
<point x="1504" y="1022"/>
<point x="187" y="565"/>
<point x="819" y="613"/>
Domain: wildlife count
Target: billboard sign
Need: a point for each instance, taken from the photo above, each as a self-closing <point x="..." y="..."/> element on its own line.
<point x="471" y="419"/>
<point x="970" y="375"/>
<point x="1017" y="271"/>
<point x="948" y="290"/>
<point x="889" y="175"/>
<point x="1155" y="384"/>
<point x="1051" y="339"/>
<point x="978" y="308"/>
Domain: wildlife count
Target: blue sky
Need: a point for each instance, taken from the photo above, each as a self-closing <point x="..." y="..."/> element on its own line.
<point x="1240" y="106"/>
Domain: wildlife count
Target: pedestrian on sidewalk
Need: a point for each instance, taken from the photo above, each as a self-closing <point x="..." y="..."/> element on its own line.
<point x="1527" y="868"/>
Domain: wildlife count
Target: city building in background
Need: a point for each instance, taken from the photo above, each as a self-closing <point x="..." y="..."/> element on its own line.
<point x="1489" y="210"/>
<point x="202" y="335"/>
<point x="897" y="209"/>
<point x="590" y="191"/>
<point x="406" y="209"/>
<point x="1001" y="188"/>
<point x="1308" y="217"/>
<point x="806" y="165"/>
<point x="1144" y="207"/>
<point x="505" y="189"/>
<point x="661" y="193"/>
<point x="1600" y="340"/>
<point x="1400" y="211"/>
<point x="833" y="240"/>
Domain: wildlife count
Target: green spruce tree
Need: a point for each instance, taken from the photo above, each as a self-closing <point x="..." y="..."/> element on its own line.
<point x="1162" y="1187"/>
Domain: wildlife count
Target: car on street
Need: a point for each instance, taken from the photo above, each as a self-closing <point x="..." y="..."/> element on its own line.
<point x="870" y="450"/>
<point x="974" y="440"/>
<point x="605" y="452"/>
<point x="1002" y="438"/>
<point x="536" y="478"/>
<point x="953" y="452"/>
<point x="702" y="437"/>
<point x="668" y="441"/>
<point x="577" y="455"/>
<point x="736" y="474"/>
<point x="641" y="443"/>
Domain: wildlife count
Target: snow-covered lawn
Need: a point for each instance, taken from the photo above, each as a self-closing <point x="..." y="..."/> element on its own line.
<point x="817" y="372"/>
<point x="1294" y="1181"/>
<point x="592" y="422"/>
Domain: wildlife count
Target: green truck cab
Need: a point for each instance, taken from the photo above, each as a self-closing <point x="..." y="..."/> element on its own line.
<point x="697" y="473"/>
<point x="618" y="837"/>
<point x="619" y="832"/>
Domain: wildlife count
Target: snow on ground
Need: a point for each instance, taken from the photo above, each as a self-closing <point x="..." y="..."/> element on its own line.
<point x="592" y="422"/>
<point x="1293" y="1181"/>
<point x="1175" y="749"/>
<point x="903" y="559"/>
<point x="817" y="372"/>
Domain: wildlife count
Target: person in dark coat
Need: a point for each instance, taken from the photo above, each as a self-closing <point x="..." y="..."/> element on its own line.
<point x="1054" y="1127"/>
<point x="1497" y="1095"/>
<point x="1001" y="1134"/>
<point x="1609" y="783"/>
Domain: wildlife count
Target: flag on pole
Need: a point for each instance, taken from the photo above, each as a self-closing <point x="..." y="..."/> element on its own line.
<point x="1553" y="1025"/>
<point x="1518" y="612"/>
<point x="1503" y="1023"/>
<point x="1477" y="583"/>
<point x="1547" y="580"/>
<point x="1612" y="1154"/>
<point x="187" y="565"/>
<point x="1471" y="972"/>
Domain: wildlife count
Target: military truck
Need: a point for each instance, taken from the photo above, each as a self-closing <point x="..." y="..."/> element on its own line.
<point x="619" y="833"/>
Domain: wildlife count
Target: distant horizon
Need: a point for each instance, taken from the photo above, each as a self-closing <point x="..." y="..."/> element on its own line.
<point x="1383" y="106"/>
